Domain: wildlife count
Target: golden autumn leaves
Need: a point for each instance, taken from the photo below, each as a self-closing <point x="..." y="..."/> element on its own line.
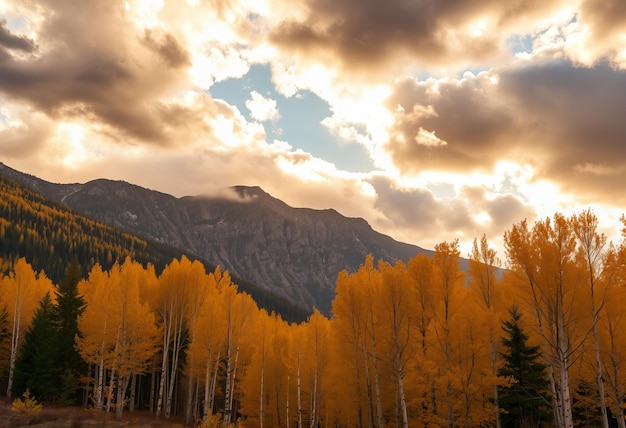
<point x="414" y="342"/>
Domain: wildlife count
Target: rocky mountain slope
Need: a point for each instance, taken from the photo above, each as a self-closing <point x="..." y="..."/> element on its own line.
<point x="293" y="252"/>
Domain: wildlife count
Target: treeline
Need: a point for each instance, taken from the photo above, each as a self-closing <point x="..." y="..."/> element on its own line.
<point x="50" y="236"/>
<point x="417" y="344"/>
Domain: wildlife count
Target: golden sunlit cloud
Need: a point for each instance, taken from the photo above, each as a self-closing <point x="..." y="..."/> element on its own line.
<point x="461" y="129"/>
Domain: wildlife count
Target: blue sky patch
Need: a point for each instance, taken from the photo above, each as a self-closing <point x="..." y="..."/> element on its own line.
<point x="300" y="117"/>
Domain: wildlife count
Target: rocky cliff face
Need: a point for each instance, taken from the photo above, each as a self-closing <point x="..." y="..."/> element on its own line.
<point x="293" y="252"/>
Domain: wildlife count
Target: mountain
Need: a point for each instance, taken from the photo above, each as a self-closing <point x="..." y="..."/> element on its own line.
<point x="49" y="235"/>
<point x="296" y="253"/>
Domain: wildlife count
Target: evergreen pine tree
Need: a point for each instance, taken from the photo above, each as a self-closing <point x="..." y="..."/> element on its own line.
<point x="36" y="365"/>
<point x="524" y="397"/>
<point x="5" y="345"/>
<point x="69" y="306"/>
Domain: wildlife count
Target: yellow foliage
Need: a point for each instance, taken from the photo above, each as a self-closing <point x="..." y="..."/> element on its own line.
<point x="26" y="406"/>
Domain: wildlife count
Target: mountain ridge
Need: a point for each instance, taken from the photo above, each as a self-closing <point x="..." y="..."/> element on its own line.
<point x="296" y="253"/>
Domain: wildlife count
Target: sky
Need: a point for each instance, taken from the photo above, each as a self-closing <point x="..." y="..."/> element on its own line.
<point x="434" y="120"/>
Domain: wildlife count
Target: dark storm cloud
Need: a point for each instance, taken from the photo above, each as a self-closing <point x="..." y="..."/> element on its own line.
<point x="371" y="33"/>
<point x="566" y="121"/>
<point x="465" y="115"/>
<point x="15" y="42"/>
<point x="419" y="208"/>
<point x="167" y="47"/>
<point x="580" y="115"/>
<point x="95" y="66"/>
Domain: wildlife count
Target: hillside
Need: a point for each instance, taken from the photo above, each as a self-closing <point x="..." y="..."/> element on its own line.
<point x="49" y="235"/>
<point x="296" y="253"/>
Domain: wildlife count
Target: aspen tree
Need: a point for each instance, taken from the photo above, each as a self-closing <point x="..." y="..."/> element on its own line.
<point x="21" y="291"/>
<point x="611" y="327"/>
<point x="316" y="330"/>
<point x="420" y="269"/>
<point x="349" y="326"/>
<point x="396" y="308"/>
<point x="261" y="386"/>
<point x="138" y="334"/>
<point x="95" y="325"/>
<point x="236" y="315"/>
<point x="171" y="302"/>
<point x="370" y="283"/>
<point x="449" y="279"/>
<point x="197" y="284"/>
<point x="207" y="342"/>
<point x="482" y="280"/>
<point x="543" y="260"/>
<point x="591" y="245"/>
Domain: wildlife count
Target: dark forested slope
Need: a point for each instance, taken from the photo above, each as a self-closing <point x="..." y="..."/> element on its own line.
<point x="50" y="235"/>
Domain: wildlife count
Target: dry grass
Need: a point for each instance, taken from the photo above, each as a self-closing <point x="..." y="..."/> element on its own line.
<point x="77" y="417"/>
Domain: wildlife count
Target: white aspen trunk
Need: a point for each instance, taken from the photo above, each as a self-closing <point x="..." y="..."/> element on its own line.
<point x="368" y="385"/>
<point x="167" y="335"/>
<point x="379" y="406"/>
<point x="99" y="393"/>
<point x="400" y="374"/>
<point x="122" y="387"/>
<point x="566" y="400"/>
<point x="207" y="386"/>
<point x="133" y="391"/>
<point x="357" y="370"/>
<point x="287" y="402"/>
<point x="98" y="384"/>
<point x="227" y="397"/>
<point x="261" y="392"/>
<point x="313" y="418"/>
<point x="196" y="402"/>
<point x="15" y="338"/>
<point x="556" y="399"/>
<point x="207" y="376"/>
<point x="299" y="394"/>
<point x="494" y="371"/>
<point x="190" y="384"/>
<point x="112" y="379"/>
<point x="109" y="391"/>
<point x="174" y="369"/>
<point x="152" y="389"/>
<point x="122" y="381"/>
<point x="619" y="398"/>
<point x="214" y="381"/>
<point x="234" y="378"/>
<point x="190" y="395"/>
<point x="448" y="383"/>
<point x="596" y="341"/>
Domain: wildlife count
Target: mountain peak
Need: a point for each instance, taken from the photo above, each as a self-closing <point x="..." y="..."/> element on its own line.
<point x="245" y="192"/>
<point x="295" y="253"/>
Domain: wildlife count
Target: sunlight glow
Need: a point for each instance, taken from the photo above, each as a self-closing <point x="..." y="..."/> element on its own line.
<point x="70" y="136"/>
<point x="478" y="28"/>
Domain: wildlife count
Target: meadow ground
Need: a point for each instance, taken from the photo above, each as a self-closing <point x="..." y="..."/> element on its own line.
<point x="77" y="417"/>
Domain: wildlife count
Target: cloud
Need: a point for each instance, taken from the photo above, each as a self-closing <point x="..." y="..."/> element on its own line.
<point x="121" y="92"/>
<point x="467" y="114"/>
<point x="571" y="117"/>
<point x="262" y="109"/>
<point x="601" y="32"/>
<point x="11" y="41"/>
<point x="102" y="73"/>
<point x="23" y="132"/>
<point x="368" y="36"/>
<point x="563" y="120"/>
<point x="166" y="47"/>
